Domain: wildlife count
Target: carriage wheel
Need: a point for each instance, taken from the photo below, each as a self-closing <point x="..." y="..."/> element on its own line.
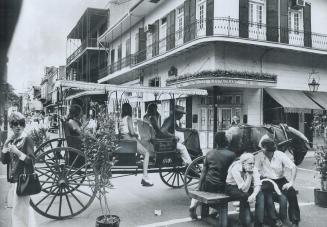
<point x="173" y="176"/>
<point x="193" y="173"/>
<point x="50" y="144"/>
<point x="68" y="183"/>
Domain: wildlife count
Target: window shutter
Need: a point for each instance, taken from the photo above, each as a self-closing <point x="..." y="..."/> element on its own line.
<point x="141" y="56"/>
<point x="170" y="37"/>
<point x="189" y="112"/>
<point x="272" y="20"/>
<point x="172" y="28"/>
<point x="209" y="17"/>
<point x="244" y="18"/>
<point x="284" y="21"/>
<point x="155" y="39"/>
<point x="192" y="19"/>
<point x="187" y="21"/>
<point x="128" y="51"/>
<point x="307" y="25"/>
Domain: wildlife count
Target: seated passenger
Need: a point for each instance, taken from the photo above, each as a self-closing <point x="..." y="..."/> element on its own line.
<point x="241" y="174"/>
<point x="214" y="172"/>
<point x="153" y="117"/>
<point x="170" y="126"/>
<point x="127" y="132"/>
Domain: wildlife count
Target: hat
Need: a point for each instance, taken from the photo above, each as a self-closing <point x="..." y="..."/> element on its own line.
<point x="179" y="109"/>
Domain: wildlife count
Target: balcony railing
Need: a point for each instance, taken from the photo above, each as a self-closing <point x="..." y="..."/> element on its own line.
<point x="91" y="42"/>
<point x="221" y="27"/>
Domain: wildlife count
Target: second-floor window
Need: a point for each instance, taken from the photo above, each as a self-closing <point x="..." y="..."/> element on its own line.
<point x="180" y="22"/>
<point x="154" y="82"/>
<point x="201" y="14"/>
<point x="295" y="21"/>
<point x="256" y="13"/>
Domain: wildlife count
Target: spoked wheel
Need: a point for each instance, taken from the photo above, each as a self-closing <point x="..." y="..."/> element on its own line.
<point x="173" y="176"/>
<point x="193" y="173"/>
<point x="68" y="183"/>
<point x="50" y="144"/>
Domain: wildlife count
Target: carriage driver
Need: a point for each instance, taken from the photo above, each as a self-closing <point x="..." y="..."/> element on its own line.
<point x="168" y="128"/>
<point x="271" y="164"/>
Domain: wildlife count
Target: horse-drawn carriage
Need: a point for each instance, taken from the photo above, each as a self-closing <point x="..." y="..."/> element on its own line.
<point x="69" y="183"/>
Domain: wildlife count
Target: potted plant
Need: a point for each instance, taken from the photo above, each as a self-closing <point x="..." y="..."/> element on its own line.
<point x="99" y="148"/>
<point x="320" y="195"/>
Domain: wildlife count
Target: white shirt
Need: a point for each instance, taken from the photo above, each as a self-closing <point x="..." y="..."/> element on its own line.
<point x="236" y="176"/>
<point x="275" y="168"/>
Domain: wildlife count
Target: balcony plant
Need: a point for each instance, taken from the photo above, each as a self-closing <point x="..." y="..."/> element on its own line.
<point x="99" y="148"/>
<point x="321" y="166"/>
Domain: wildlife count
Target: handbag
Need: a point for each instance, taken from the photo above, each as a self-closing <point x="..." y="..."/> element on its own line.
<point x="28" y="184"/>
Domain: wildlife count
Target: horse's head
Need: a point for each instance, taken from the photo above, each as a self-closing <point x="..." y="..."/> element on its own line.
<point x="299" y="144"/>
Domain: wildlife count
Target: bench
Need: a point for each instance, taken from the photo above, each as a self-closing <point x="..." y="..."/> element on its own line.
<point x="218" y="201"/>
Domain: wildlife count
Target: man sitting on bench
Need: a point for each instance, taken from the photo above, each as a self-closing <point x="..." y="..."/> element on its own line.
<point x="214" y="170"/>
<point x="241" y="175"/>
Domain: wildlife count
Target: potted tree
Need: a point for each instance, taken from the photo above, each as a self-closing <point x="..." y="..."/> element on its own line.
<point x="99" y="148"/>
<point x="39" y="136"/>
<point x="320" y="195"/>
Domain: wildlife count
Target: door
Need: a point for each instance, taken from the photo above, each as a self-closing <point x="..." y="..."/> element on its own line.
<point x="256" y="14"/>
<point x="201" y="18"/>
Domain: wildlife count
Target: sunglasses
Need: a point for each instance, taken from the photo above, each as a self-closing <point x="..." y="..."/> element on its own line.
<point x="16" y="123"/>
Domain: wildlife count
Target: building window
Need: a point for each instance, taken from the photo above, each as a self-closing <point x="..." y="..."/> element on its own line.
<point x="154" y="82"/>
<point x="295" y="21"/>
<point x="180" y="22"/>
<point x="182" y="121"/>
<point x="201" y="13"/>
<point x="256" y="13"/>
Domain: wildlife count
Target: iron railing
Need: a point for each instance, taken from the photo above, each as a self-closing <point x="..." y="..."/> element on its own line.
<point x="221" y="27"/>
<point x="90" y="42"/>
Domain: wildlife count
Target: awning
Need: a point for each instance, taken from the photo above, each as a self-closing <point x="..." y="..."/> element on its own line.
<point x="88" y="86"/>
<point x="84" y="93"/>
<point x="293" y="101"/>
<point x="319" y="97"/>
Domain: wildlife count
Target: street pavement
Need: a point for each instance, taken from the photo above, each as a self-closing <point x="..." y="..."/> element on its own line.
<point x="135" y="205"/>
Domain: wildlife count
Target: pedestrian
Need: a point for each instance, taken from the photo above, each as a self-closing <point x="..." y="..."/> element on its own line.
<point x="272" y="164"/>
<point x="241" y="175"/>
<point x="170" y="127"/>
<point x="214" y="172"/>
<point x="127" y="132"/>
<point x="18" y="155"/>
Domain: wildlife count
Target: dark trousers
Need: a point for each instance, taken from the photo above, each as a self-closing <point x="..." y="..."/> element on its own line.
<point x="290" y="196"/>
<point x="245" y="212"/>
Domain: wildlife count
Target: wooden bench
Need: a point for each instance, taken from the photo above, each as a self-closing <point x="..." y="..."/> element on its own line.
<point x="218" y="201"/>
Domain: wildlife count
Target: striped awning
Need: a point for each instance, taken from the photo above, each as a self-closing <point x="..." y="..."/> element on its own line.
<point x="85" y="93"/>
<point x="293" y="101"/>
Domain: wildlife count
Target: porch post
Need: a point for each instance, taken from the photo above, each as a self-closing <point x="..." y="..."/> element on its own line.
<point x="215" y="111"/>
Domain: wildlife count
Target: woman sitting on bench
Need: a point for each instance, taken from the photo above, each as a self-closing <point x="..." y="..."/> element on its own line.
<point x="127" y="131"/>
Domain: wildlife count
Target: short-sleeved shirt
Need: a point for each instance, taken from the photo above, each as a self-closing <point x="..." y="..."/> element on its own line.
<point x="274" y="169"/>
<point x="217" y="163"/>
<point x="236" y="176"/>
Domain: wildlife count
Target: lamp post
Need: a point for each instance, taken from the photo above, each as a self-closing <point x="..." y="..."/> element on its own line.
<point x="313" y="81"/>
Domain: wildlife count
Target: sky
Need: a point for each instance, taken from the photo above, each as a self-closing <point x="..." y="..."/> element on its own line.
<point x="40" y="37"/>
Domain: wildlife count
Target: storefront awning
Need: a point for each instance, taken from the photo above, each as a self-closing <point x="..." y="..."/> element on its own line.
<point x="293" y="101"/>
<point x="319" y="97"/>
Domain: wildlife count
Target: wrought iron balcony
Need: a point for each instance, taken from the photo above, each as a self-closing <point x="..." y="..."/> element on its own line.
<point x="221" y="27"/>
<point x="90" y="42"/>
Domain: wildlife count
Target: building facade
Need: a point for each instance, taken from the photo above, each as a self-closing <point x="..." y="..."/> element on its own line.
<point x="253" y="56"/>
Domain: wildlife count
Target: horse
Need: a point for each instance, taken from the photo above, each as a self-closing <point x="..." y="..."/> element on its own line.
<point x="245" y="138"/>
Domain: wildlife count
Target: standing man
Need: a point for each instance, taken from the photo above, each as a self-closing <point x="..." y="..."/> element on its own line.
<point x="272" y="163"/>
<point x="214" y="172"/>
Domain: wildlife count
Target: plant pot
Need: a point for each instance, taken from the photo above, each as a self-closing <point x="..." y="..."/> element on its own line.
<point x="320" y="197"/>
<point x="112" y="221"/>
